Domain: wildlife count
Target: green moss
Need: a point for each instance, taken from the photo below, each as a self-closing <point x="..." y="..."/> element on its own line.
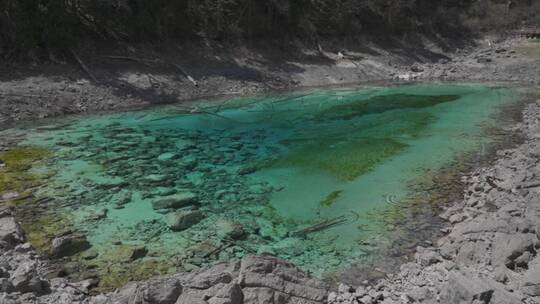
<point x="413" y="124"/>
<point x="343" y="159"/>
<point x="119" y="274"/>
<point x="20" y="158"/>
<point x="42" y="230"/>
<point x="15" y="176"/>
<point x="331" y="198"/>
<point x="383" y="103"/>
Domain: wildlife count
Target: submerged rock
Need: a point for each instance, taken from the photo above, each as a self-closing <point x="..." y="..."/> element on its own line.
<point x="167" y="156"/>
<point x="128" y="253"/>
<point x="229" y="229"/>
<point x="156" y="178"/>
<point x="6" y="196"/>
<point x="182" y="220"/>
<point x="175" y="201"/>
<point x="68" y="245"/>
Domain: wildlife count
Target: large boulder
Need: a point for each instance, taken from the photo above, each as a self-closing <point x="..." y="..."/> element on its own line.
<point x="182" y="220"/>
<point x="128" y="253"/>
<point x="164" y="291"/>
<point x="466" y="287"/>
<point x="10" y="231"/>
<point x="68" y="245"/>
<point x="25" y="278"/>
<point x="228" y="294"/>
<point x="508" y="247"/>
<point x="531" y="279"/>
<point x="175" y="201"/>
<point x="254" y="280"/>
<point x="279" y="278"/>
<point x="229" y="230"/>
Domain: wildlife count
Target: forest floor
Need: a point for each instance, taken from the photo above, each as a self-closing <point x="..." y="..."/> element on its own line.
<point x="489" y="254"/>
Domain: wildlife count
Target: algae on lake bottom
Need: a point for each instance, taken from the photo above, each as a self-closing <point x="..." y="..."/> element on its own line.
<point x="331" y="198"/>
<point x="382" y="103"/>
<point x="345" y="160"/>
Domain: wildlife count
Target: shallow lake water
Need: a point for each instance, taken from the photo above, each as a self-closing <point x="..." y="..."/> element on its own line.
<point x="306" y="176"/>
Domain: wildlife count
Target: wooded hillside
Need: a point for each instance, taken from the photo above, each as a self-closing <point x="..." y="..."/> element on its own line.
<point x="42" y="26"/>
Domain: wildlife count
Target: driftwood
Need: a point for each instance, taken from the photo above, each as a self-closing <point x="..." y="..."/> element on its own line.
<point x="326" y="224"/>
<point x="83" y="66"/>
<point x="146" y="62"/>
<point x="149" y="62"/>
<point x="183" y="72"/>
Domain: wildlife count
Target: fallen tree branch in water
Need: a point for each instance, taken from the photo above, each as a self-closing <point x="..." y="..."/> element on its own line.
<point x="326" y="224"/>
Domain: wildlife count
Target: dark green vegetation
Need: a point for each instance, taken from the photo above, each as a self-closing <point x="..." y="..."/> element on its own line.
<point x="30" y="27"/>
<point x="381" y="104"/>
<point x="345" y="160"/>
<point x="348" y="159"/>
<point x="14" y="176"/>
<point x="331" y="198"/>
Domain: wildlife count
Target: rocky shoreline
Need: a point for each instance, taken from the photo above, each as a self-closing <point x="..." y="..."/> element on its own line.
<point x="488" y="256"/>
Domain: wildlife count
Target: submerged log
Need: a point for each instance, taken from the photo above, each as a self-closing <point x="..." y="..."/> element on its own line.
<point x="326" y="224"/>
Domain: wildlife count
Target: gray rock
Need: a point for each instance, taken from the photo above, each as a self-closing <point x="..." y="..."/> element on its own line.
<point x="229" y="229"/>
<point x="508" y="247"/>
<point x="10" y="231"/>
<point x="467" y="288"/>
<point x="190" y="299"/>
<point x="68" y="245"/>
<point x="259" y="295"/>
<point x="229" y="294"/>
<point x="531" y="279"/>
<point x="129" y="253"/>
<point x="164" y="291"/>
<point x="282" y="277"/>
<point x="181" y="220"/>
<point x="5" y="285"/>
<point x="175" y="201"/>
<point x="6" y="196"/>
<point x="427" y="257"/>
<point x="127" y="294"/>
<point x="26" y="279"/>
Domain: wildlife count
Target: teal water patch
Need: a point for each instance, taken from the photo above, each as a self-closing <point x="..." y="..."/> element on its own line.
<point x="298" y="175"/>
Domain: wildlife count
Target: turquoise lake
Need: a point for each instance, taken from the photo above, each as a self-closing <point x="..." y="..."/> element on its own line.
<point x="306" y="176"/>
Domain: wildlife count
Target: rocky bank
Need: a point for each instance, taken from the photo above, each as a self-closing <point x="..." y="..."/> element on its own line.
<point x="128" y="82"/>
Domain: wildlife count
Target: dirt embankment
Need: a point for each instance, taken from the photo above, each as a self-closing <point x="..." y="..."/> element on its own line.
<point x="108" y="80"/>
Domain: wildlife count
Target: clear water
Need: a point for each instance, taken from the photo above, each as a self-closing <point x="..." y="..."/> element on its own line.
<point x="329" y="160"/>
